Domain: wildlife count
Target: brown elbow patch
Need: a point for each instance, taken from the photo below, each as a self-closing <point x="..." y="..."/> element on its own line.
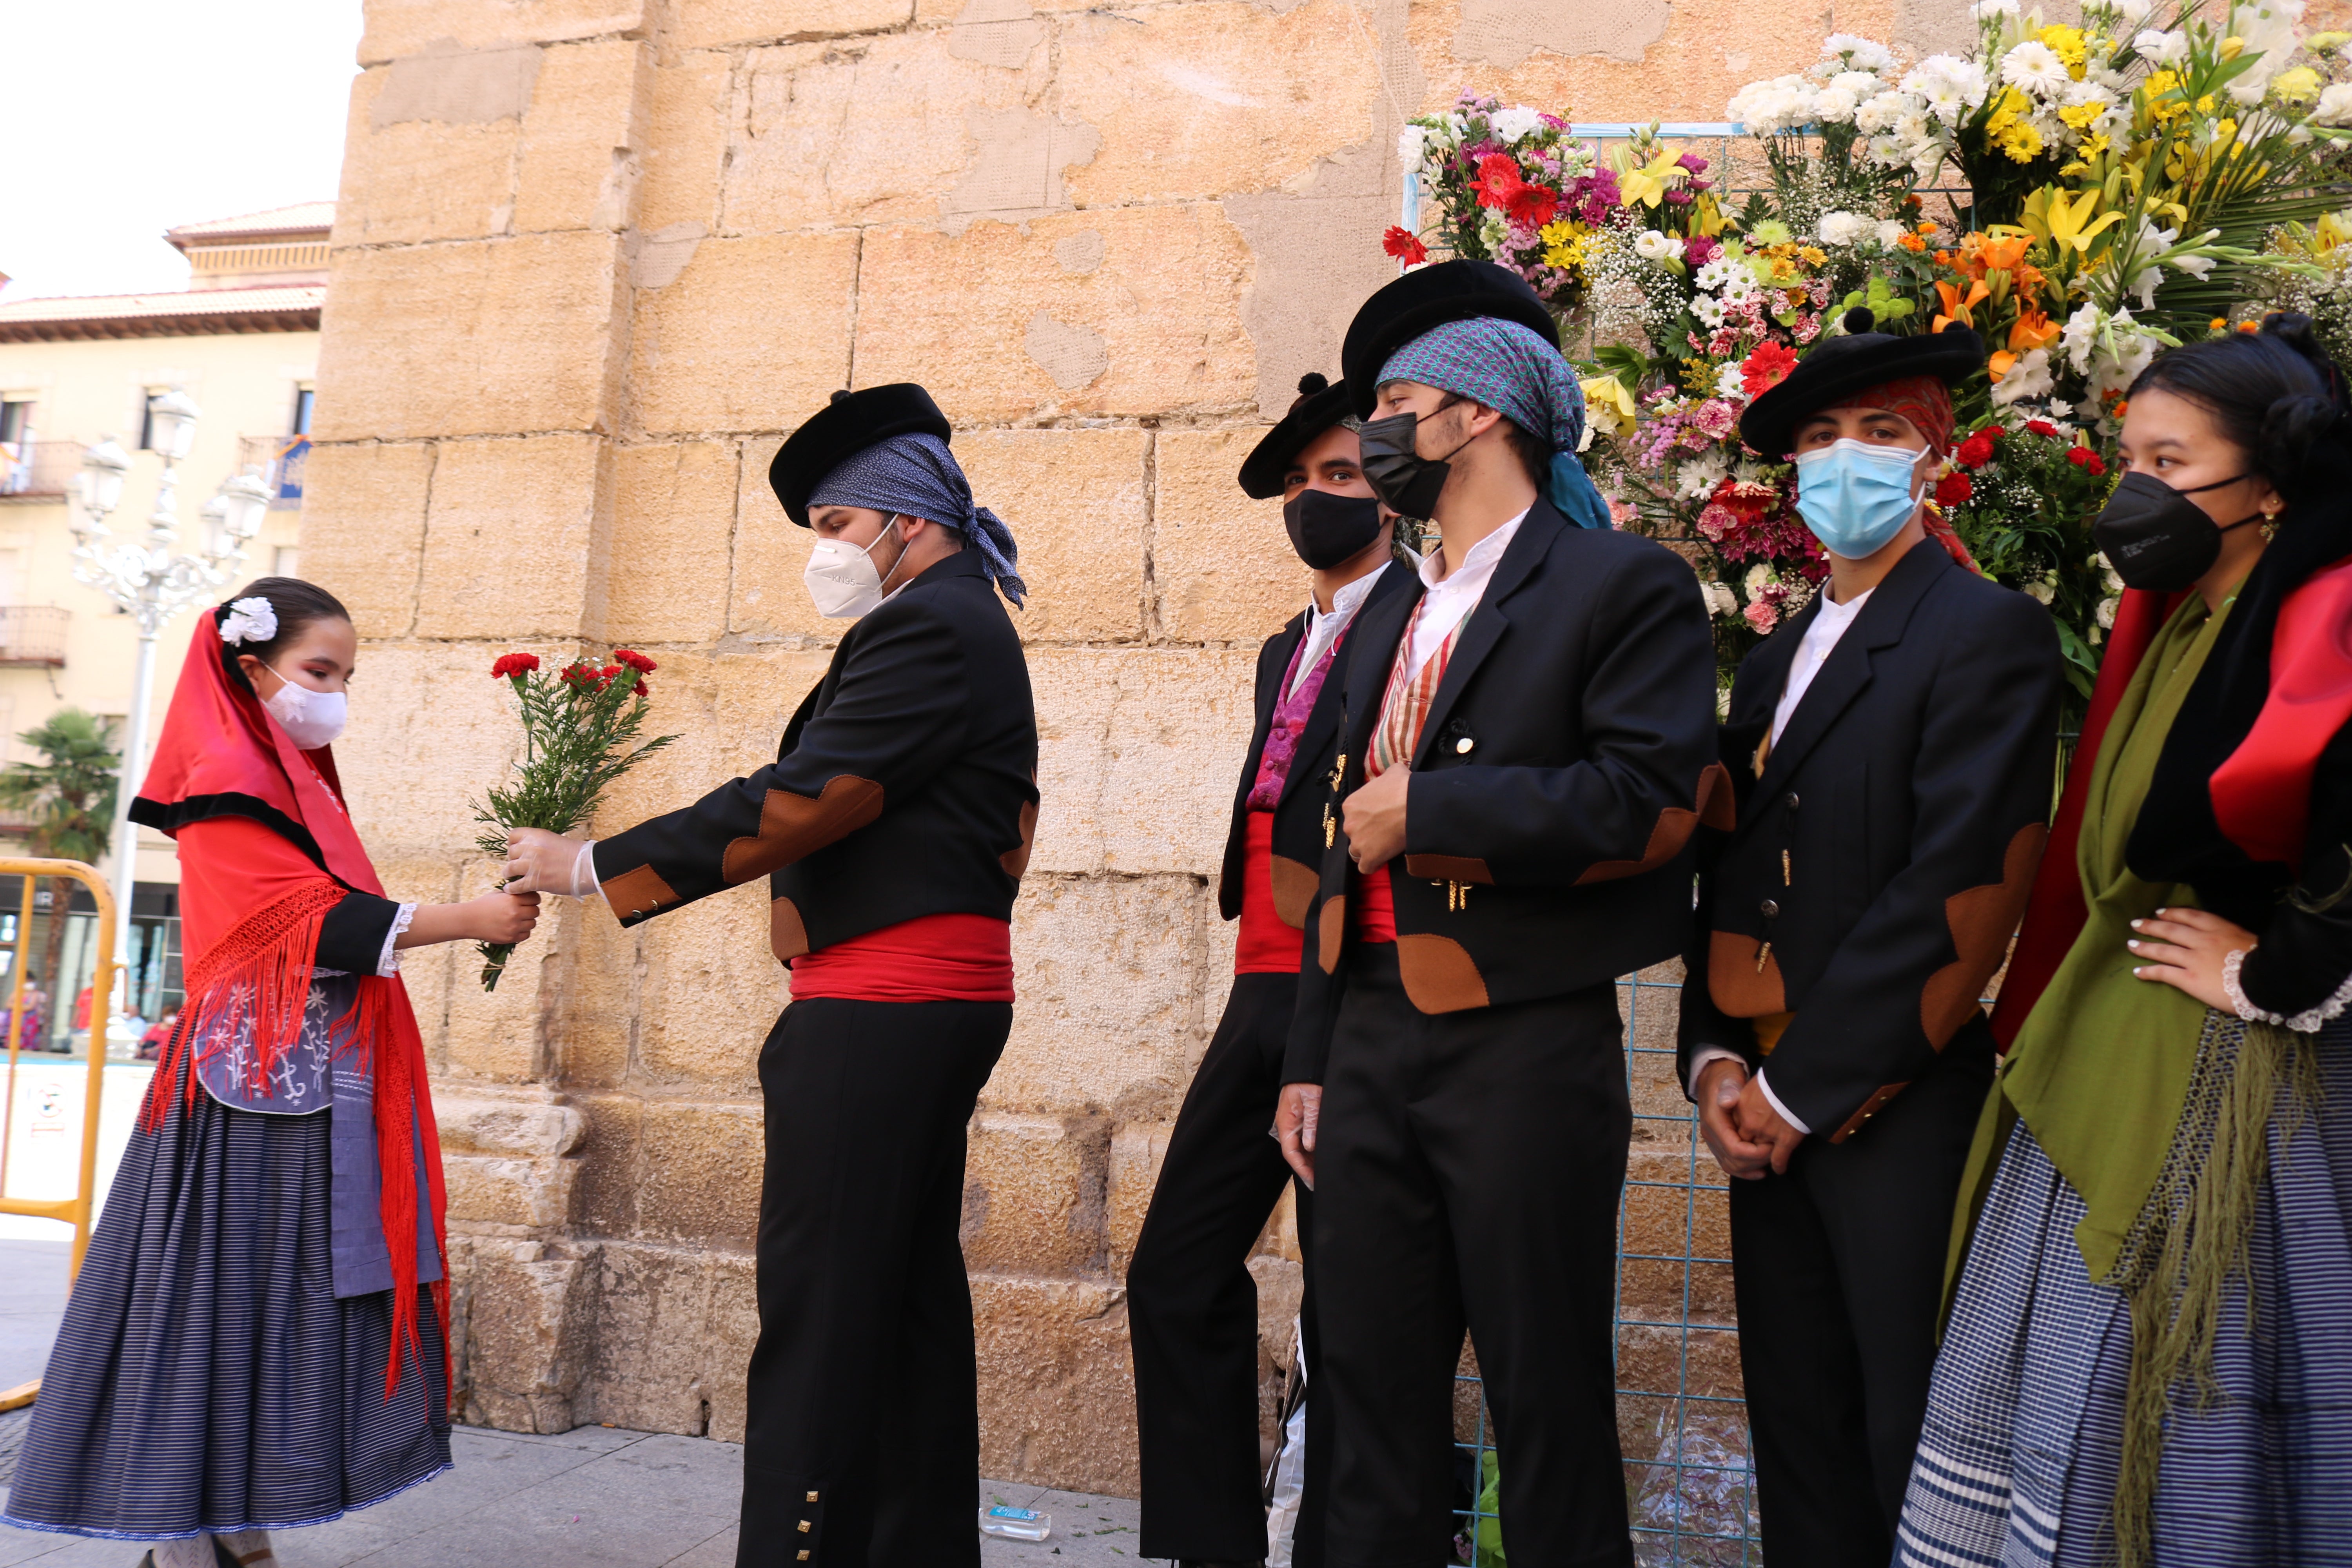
<point x="1736" y="983"/>
<point x="1716" y="807"/>
<point x="1295" y="883"/>
<point x="1016" y="861"/>
<point x="1330" y="926"/>
<point x="1448" y="868"/>
<point x="638" y="893"/>
<point x="1982" y="919"/>
<point x="1870" y="1108"/>
<point x="787" y="937"/>
<point x="1439" y="974"/>
<point x="792" y="825"/>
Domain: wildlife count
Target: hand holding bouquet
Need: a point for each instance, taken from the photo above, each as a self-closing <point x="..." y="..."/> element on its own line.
<point x="580" y="729"/>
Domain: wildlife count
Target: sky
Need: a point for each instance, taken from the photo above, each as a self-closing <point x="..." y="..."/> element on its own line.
<point x="125" y="118"/>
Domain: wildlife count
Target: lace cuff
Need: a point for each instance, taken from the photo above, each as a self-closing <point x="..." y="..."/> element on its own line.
<point x="388" y="963"/>
<point x="2306" y="1023"/>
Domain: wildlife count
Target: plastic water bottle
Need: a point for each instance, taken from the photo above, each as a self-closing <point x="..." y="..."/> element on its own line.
<point x="1015" y="1523"/>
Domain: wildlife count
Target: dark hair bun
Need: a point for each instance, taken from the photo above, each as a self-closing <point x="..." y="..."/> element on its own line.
<point x="2291" y="427"/>
<point x="1313" y="382"/>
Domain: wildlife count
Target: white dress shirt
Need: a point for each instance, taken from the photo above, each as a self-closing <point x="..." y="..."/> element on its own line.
<point x="1450" y="599"/>
<point x="1821" y="639"/>
<point x="1324" y="627"/>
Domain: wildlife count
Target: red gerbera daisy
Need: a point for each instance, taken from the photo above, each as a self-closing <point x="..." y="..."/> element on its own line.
<point x="1404" y="245"/>
<point x="1767" y="368"/>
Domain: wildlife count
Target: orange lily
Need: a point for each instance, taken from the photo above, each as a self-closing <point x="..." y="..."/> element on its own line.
<point x="1956" y="307"/>
<point x="2034" y="330"/>
<point x="2003" y="252"/>
<point x="1999" y="362"/>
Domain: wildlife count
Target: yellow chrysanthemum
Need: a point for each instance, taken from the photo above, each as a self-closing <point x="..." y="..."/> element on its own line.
<point x="2300" y="85"/>
<point x="2067" y="43"/>
<point x="2080" y="115"/>
<point x="1565" y="244"/>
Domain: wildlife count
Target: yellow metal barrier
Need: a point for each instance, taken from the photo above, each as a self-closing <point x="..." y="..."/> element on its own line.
<point x="76" y="1210"/>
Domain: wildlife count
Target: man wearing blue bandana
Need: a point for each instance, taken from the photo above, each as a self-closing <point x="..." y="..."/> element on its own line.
<point x="1528" y="746"/>
<point x="892" y="830"/>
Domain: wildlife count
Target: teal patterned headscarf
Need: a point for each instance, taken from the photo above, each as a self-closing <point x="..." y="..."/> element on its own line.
<point x="1510" y="368"/>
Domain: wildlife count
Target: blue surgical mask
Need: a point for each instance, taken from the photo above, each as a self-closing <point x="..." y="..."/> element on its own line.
<point x="1855" y="496"/>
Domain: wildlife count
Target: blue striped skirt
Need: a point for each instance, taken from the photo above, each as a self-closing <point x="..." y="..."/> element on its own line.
<point x="2018" y="1460"/>
<point x="205" y="1377"/>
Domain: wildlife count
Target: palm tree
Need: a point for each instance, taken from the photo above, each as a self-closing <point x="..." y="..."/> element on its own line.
<point x="69" y="799"/>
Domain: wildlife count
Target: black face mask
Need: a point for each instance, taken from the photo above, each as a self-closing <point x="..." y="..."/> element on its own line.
<point x="2156" y="538"/>
<point x="1327" y="528"/>
<point x="1406" y="481"/>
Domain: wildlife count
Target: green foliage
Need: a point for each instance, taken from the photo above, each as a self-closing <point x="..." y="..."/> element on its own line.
<point x="581" y="729"/>
<point x="71" y="796"/>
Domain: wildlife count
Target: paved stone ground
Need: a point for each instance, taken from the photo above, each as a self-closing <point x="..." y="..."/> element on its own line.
<point x="594" y="1498"/>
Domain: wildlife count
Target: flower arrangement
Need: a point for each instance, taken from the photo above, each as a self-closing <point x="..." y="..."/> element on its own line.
<point x="579" y="733"/>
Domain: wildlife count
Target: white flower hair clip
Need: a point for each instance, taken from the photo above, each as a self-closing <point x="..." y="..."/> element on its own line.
<point x="251" y="620"/>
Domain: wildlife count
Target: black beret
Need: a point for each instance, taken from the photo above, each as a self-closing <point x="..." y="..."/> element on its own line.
<point x="1859" y="359"/>
<point x="1431" y="297"/>
<point x="852" y="421"/>
<point x="1319" y="405"/>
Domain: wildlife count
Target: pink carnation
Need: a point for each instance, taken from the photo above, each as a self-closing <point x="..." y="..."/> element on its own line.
<point x="1762" y="615"/>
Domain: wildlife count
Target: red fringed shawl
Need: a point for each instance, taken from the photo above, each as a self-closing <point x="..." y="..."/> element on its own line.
<point x="221" y="755"/>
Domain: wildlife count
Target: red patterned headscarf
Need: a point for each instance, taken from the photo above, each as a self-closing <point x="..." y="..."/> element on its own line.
<point x="1923" y="400"/>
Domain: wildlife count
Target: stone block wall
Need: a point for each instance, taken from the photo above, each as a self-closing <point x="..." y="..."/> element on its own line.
<point x="593" y="260"/>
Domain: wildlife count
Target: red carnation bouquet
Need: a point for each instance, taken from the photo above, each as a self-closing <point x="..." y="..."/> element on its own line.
<point x="579" y="732"/>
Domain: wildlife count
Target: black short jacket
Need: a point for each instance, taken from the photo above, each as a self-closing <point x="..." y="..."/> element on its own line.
<point x="905" y="784"/>
<point x="1567" y="756"/>
<point x="1300" y="819"/>
<point x="1887" y="851"/>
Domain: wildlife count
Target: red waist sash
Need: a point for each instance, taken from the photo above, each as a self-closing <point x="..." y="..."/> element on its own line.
<point x="1265" y="946"/>
<point x="931" y="958"/>
<point x="1375" y="906"/>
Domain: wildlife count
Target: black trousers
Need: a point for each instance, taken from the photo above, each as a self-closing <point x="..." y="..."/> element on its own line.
<point x="862" y="1430"/>
<point x="1193" y="1307"/>
<point x="1838" y="1266"/>
<point x="1468" y="1171"/>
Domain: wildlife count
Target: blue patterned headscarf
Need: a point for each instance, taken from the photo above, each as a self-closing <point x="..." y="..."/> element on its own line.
<point x="917" y="476"/>
<point x="1510" y="368"/>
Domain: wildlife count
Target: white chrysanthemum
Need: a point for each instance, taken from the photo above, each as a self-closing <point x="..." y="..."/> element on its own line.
<point x="1859" y="53"/>
<point x="2028" y="377"/>
<point x="1410" y="143"/>
<point x="1720" y="600"/>
<point x="1841" y="227"/>
<point x="1889" y="231"/>
<point x="1759" y="578"/>
<point x="1834" y="106"/>
<point x="2164" y="48"/>
<point x="1701" y="475"/>
<point x="253" y="620"/>
<point x="1739" y="283"/>
<point x="2036" y="68"/>
<point x="1708" y="310"/>
<point x="1515" y="122"/>
<point x="1951" y="87"/>
<point x="1728" y="383"/>
<point x="1712" y="275"/>
<point x="1861" y="84"/>
<point x="1652" y="246"/>
<point x="2334" y="105"/>
<point x="1880" y="113"/>
<point x="1986" y="10"/>
<point x="1781" y="103"/>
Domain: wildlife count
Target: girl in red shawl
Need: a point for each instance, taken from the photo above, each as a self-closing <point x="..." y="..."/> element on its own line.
<point x="259" y="1337"/>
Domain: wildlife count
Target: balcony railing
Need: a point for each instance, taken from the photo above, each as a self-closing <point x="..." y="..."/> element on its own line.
<point x="38" y="470"/>
<point x="280" y="459"/>
<point x="32" y="634"/>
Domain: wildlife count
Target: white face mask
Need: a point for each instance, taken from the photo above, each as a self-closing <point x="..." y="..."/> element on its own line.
<point x="310" y="719"/>
<point x="842" y="579"/>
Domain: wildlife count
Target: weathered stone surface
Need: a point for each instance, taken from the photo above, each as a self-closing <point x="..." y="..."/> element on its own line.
<point x="363" y="529"/>
<point x="434" y="732"/>
<point x="578" y="162"/>
<point x="529" y="1327"/>
<point x="1137" y="1148"/>
<point x="446" y="85"/>
<point x="469" y="339"/>
<point x="710" y="994"/>
<point x="653" y="1312"/>
<point x="1165" y="301"/>
<point x="1243" y="99"/>
<point x="530" y="1129"/>
<point x="1107" y="971"/>
<point x="1138" y="755"/>
<point x="722" y="23"/>
<point x="730" y="706"/>
<point x="803" y="149"/>
<point x="508" y="1197"/>
<point x="702" y="1174"/>
<point x="1034" y="1194"/>
<point x="673" y="526"/>
<point x="734" y="1330"/>
<point x="410" y="26"/>
<point x="487" y="497"/>
<point x="1222" y="562"/>
<point x="685" y="150"/>
<point x="1075" y="501"/>
<point x="1057" y="1396"/>
<point x="769" y="599"/>
<point x="697" y="368"/>
<point x="418" y="180"/>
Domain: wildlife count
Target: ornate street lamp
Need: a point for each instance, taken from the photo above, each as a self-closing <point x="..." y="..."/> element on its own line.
<point x="151" y="584"/>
